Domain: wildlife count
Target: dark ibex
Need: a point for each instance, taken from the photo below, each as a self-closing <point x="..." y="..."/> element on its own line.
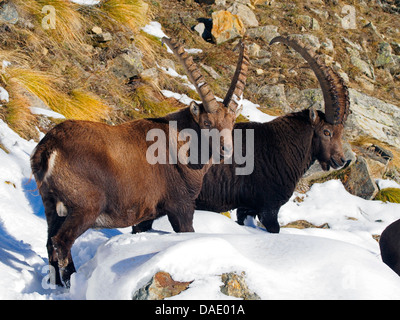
<point x="92" y="175"/>
<point x="389" y="244"/>
<point x="283" y="150"/>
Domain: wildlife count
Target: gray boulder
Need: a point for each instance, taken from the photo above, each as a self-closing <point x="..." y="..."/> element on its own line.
<point x="8" y="12"/>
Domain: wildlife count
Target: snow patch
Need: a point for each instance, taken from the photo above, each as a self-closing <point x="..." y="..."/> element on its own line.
<point x="86" y="2"/>
<point x="4" y="96"/>
<point x="47" y="113"/>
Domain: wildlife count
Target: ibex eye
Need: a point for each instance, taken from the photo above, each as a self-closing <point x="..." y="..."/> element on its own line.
<point x="327" y="133"/>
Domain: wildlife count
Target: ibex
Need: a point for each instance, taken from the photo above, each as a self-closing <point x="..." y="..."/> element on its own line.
<point x="93" y="175"/>
<point x="283" y="150"/>
<point x="389" y="244"/>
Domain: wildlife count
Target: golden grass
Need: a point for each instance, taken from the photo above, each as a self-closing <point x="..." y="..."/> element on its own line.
<point x="39" y="83"/>
<point x="150" y="103"/>
<point x="79" y="104"/>
<point x="15" y="57"/>
<point x="69" y="22"/>
<point x="85" y="105"/>
<point x="18" y="114"/>
<point x="389" y="195"/>
<point x="130" y="13"/>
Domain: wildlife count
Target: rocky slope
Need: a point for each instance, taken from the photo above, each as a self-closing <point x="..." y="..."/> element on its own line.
<point x="107" y="63"/>
<point x="360" y="41"/>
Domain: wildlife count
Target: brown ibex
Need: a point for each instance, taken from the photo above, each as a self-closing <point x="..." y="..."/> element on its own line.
<point x="283" y="150"/>
<point x="92" y="175"/>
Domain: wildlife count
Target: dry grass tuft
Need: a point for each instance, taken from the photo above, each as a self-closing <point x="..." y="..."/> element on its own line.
<point x="69" y="24"/>
<point x="130" y="13"/>
<point x="19" y="115"/>
<point x="86" y="106"/>
<point x="389" y="195"/>
<point x="49" y="88"/>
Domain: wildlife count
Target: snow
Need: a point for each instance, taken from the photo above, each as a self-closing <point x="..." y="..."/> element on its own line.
<point x="46" y="112"/>
<point x="4" y="96"/>
<point x="154" y="28"/>
<point x="384" y="183"/>
<point x="342" y="262"/>
<point x="86" y="2"/>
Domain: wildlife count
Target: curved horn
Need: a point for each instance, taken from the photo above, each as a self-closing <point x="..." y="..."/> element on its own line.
<point x="336" y="95"/>
<point x="238" y="83"/>
<point x="202" y="88"/>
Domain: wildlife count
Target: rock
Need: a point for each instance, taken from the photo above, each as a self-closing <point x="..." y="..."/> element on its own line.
<point x="200" y="28"/>
<point x="210" y="71"/>
<point x="360" y="64"/>
<point x="259" y="71"/>
<point x="97" y="30"/>
<point x="374" y="118"/>
<point x="358" y="180"/>
<point x="267" y="33"/>
<point x="203" y="28"/>
<point x="253" y="50"/>
<point x="308" y="22"/>
<point x="32" y="99"/>
<point x="309" y="39"/>
<point x="386" y="59"/>
<point x="303" y="224"/>
<point x="383" y="155"/>
<point x="8" y="12"/>
<point x="226" y="26"/>
<point x="103" y="37"/>
<point x="365" y="83"/>
<point x="275" y="94"/>
<point x="369" y="116"/>
<point x="221" y="3"/>
<point x="327" y="45"/>
<point x="377" y="169"/>
<point x="363" y="66"/>
<point x="352" y="44"/>
<point x="235" y="286"/>
<point x="396" y="48"/>
<point x="372" y="28"/>
<point x="272" y="94"/>
<point x="167" y="63"/>
<point x="25" y="23"/>
<point x="321" y="13"/>
<point x="245" y="14"/>
<point x="150" y="74"/>
<point x="129" y="64"/>
<point x="160" y="286"/>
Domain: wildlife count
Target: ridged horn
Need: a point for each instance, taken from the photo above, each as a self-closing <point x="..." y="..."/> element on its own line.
<point x="238" y="83"/>
<point x="206" y="95"/>
<point x="336" y="94"/>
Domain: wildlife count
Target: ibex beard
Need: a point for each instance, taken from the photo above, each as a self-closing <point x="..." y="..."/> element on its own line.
<point x="188" y="148"/>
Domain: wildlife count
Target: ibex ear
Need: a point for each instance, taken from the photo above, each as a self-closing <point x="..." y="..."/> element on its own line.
<point x="195" y="110"/>
<point x="313" y="116"/>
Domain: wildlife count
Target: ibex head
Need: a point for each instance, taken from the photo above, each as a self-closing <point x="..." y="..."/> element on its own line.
<point x="211" y="114"/>
<point x="328" y="127"/>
